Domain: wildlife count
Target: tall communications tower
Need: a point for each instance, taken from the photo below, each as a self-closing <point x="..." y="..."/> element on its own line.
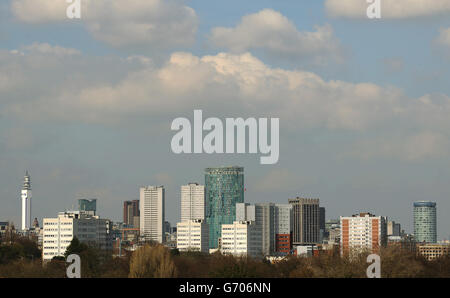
<point x="26" y="202"/>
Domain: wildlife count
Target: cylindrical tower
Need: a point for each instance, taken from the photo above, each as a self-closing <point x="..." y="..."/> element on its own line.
<point x="425" y="222"/>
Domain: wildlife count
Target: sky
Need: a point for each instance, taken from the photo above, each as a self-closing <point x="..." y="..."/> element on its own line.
<point x="86" y="105"/>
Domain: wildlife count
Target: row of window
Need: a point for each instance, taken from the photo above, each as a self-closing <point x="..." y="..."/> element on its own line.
<point x="56" y="235"/>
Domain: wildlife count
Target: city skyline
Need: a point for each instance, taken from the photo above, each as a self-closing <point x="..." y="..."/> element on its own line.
<point x="87" y="104"/>
<point x="90" y="205"/>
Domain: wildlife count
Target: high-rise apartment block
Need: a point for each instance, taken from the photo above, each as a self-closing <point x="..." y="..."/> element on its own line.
<point x="425" y="227"/>
<point x="152" y="200"/>
<point x="59" y="232"/>
<point x="306" y="221"/>
<point x="362" y="232"/>
<point x="193" y="235"/>
<point x="224" y="188"/>
<point x="242" y="238"/>
<point x="192" y="201"/>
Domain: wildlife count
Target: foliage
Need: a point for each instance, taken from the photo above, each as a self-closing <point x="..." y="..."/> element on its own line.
<point x="22" y="258"/>
<point x="21" y="248"/>
<point x="152" y="261"/>
<point x="75" y="247"/>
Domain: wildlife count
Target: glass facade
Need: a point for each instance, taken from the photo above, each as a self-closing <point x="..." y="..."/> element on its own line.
<point x="89" y="206"/>
<point x="224" y="188"/>
<point x="425" y="222"/>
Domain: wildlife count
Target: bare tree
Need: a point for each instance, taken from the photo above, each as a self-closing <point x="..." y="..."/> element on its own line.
<point x="152" y="261"/>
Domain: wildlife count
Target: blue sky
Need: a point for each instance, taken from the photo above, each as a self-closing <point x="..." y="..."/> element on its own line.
<point x="369" y="43"/>
<point x="86" y="105"/>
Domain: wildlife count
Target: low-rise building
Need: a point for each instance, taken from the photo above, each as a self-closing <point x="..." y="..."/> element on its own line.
<point x="242" y="238"/>
<point x="306" y="251"/>
<point x="192" y="235"/>
<point x="405" y="243"/>
<point x="433" y="252"/>
<point x="59" y="232"/>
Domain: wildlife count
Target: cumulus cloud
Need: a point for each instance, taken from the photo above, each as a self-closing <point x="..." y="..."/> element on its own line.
<point x="222" y="84"/>
<point x="50" y="71"/>
<point x="272" y="32"/>
<point x="391" y="9"/>
<point x="159" y="23"/>
<point x="47" y="49"/>
<point x="239" y="80"/>
<point x="120" y="23"/>
<point x="39" y="11"/>
<point x="242" y="80"/>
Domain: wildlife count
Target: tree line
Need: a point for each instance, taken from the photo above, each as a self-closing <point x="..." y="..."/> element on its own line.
<point x="22" y="258"/>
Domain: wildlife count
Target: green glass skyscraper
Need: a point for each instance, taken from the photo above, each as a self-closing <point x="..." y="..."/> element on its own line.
<point x="88" y="205"/>
<point x="224" y="188"/>
<point x="425" y="222"/>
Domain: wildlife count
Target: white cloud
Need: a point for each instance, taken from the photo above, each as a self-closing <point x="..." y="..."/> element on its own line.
<point x="244" y="81"/>
<point x="221" y="81"/>
<point x="83" y="89"/>
<point x="390" y="9"/>
<point x="270" y="31"/>
<point x="159" y="23"/>
<point x="39" y="11"/>
<point x="121" y="23"/>
<point x="47" y="49"/>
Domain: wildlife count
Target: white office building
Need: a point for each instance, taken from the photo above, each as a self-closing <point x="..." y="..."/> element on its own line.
<point x="245" y="212"/>
<point x="263" y="215"/>
<point x="151" y="205"/>
<point x="283" y="219"/>
<point x="58" y="232"/>
<point x="242" y="238"/>
<point x="283" y="228"/>
<point x="193" y="235"/>
<point x="275" y="222"/>
<point x="192" y="201"/>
